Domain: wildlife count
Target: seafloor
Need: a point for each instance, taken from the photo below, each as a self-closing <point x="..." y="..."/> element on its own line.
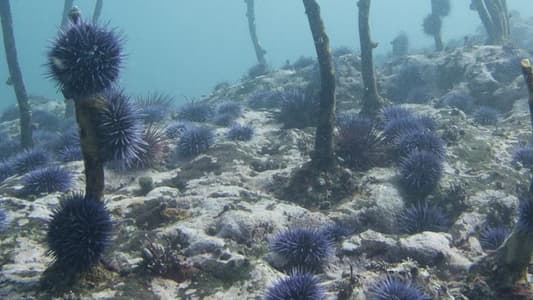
<point x="218" y="210"/>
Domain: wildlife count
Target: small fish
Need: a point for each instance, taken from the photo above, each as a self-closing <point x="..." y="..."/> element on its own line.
<point x="9" y="81"/>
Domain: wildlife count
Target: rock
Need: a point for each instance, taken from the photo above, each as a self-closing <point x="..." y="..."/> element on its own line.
<point x="163" y="193"/>
<point x="227" y="266"/>
<point x="433" y="248"/>
<point x="204" y="245"/>
<point x="386" y="202"/>
<point x="276" y="261"/>
<point x="373" y="243"/>
<point x="161" y="206"/>
<point x="242" y="227"/>
<point x="468" y="224"/>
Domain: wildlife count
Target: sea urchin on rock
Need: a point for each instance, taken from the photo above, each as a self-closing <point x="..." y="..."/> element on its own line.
<point x="194" y="140"/>
<point x="298" y="286"/>
<point x="393" y="287"/>
<point x="47" y="180"/>
<point x="240" y="132"/>
<point x="78" y="233"/>
<point x="29" y="160"/>
<point x="359" y="142"/>
<point x="421" y="217"/>
<point x="420" y="173"/>
<point x="305" y="248"/>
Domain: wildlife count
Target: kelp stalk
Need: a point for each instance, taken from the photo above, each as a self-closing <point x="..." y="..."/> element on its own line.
<point x="97" y="10"/>
<point x="495" y="18"/>
<point x="323" y="157"/>
<point x="527" y="71"/>
<point x="372" y="102"/>
<point x="250" y="14"/>
<point x="15" y="73"/>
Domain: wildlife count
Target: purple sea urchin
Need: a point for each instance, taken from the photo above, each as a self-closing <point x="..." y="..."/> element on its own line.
<point x="239" y="132"/>
<point x="491" y="237"/>
<point x="70" y="153"/>
<point x="119" y="129"/>
<point x="78" y="233"/>
<point x="298" y="286"/>
<point x="47" y="180"/>
<point x="195" y="111"/>
<point x="299" y="108"/>
<point x="420" y="140"/>
<point x="359" y="143"/>
<point x="226" y="112"/>
<point x="85" y="59"/>
<point x="306" y="248"/>
<point x="395" y="288"/>
<point x="395" y="112"/>
<point x="29" y="160"/>
<point x="420" y="173"/>
<point x="175" y="129"/>
<point x="195" y="140"/>
<point x="394" y="129"/>
<point x="421" y="217"/>
<point x="155" y="107"/>
<point x="155" y="147"/>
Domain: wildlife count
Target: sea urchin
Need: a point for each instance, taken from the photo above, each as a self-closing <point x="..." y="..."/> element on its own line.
<point x="78" y="233"/>
<point x="85" y="59"/>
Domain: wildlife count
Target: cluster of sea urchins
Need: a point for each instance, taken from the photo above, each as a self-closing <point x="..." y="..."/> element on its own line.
<point x="85" y="60"/>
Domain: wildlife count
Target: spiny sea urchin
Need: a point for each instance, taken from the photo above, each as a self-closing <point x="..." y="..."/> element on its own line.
<point x="240" y="132"/>
<point x="195" y="140"/>
<point x="306" y="248"/>
<point x="47" y="180"/>
<point x="359" y="143"/>
<point x="420" y="173"/>
<point x="119" y="129"/>
<point x="79" y="232"/>
<point x="395" y="288"/>
<point x="29" y="160"/>
<point x="299" y="285"/>
<point x="85" y="59"/>
<point x="421" y="217"/>
<point x="491" y="237"/>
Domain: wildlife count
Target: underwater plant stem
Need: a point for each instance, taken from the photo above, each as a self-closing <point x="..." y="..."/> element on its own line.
<point x="495" y="18"/>
<point x="94" y="166"/>
<point x="66" y="10"/>
<point x="507" y="266"/>
<point x="438" y="35"/>
<point x="372" y="102"/>
<point x="26" y="139"/>
<point x="97" y="10"/>
<point x="323" y="157"/>
<point x="438" y="42"/>
<point x="527" y="72"/>
<point x="250" y="14"/>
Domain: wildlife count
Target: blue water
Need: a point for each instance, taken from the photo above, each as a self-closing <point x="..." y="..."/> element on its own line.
<point x="185" y="47"/>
